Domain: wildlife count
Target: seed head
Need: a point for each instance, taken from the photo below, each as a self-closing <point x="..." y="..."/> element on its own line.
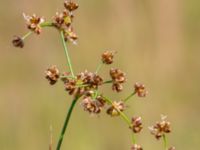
<point x="118" y="77"/>
<point x="136" y="147"/>
<point x="18" y="42"/>
<point x="62" y="20"/>
<point x="115" y="108"/>
<point x="93" y="106"/>
<point x="91" y="79"/>
<point x="107" y="57"/>
<point x="136" y="124"/>
<point x="70" y="6"/>
<point x="160" y="128"/>
<point x="33" y="23"/>
<point x="52" y="74"/>
<point x="140" y="90"/>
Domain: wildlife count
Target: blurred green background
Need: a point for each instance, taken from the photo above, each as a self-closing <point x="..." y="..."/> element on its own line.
<point x="158" y="44"/>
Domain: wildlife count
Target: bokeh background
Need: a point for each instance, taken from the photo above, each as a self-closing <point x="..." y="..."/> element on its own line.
<point x="158" y="44"/>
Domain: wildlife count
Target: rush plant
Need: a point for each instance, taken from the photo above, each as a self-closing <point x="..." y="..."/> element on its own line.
<point x="84" y="86"/>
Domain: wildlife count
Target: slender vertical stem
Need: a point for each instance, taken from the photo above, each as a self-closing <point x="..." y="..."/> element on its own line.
<point x="133" y="138"/>
<point x="66" y="53"/>
<point x="66" y="123"/>
<point x="165" y="141"/>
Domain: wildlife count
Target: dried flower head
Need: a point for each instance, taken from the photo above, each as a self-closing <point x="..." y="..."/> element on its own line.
<point x="136" y="147"/>
<point x="92" y="80"/>
<point x="62" y="20"/>
<point x="140" y="90"/>
<point x="136" y="124"/>
<point x="118" y="77"/>
<point x="52" y="74"/>
<point x="93" y="106"/>
<point x="70" y="6"/>
<point x="115" y="108"/>
<point x="160" y="128"/>
<point x="18" y="42"/>
<point x="107" y="57"/>
<point x="33" y="23"/>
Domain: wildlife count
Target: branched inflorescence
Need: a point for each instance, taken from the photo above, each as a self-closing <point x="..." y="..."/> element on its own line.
<point x="85" y="85"/>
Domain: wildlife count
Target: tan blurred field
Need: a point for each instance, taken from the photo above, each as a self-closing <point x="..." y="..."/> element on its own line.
<point x="158" y="44"/>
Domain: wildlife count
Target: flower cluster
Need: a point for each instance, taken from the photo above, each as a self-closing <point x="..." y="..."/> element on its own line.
<point x="140" y="90"/>
<point x="160" y="128"/>
<point x="34" y="23"/>
<point x="63" y="21"/>
<point x="136" y="124"/>
<point x="118" y="77"/>
<point x="82" y="83"/>
<point x="107" y="57"/>
<point x="52" y="74"/>
<point x="18" y="42"/>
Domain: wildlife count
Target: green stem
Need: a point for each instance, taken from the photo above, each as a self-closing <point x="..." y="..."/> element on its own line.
<point x="124" y="117"/>
<point x="165" y="142"/>
<point x="131" y="95"/>
<point x="106" y="82"/>
<point x="133" y="138"/>
<point x="26" y="35"/>
<point x="66" y="123"/>
<point x="66" y="53"/>
<point x="46" y="24"/>
<point x="99" y="67"/>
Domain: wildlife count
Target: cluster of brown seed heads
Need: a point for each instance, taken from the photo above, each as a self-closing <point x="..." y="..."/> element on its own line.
<point x="85" y="85"/>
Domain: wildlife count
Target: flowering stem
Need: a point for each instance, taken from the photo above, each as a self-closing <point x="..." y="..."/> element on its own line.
<point x="127" y="98"/>
<point x="99" y="67"/>
<point x="26" y="35"/>
<point x="165" y="141"/>
<point x="66" y="123"/>
<point x="66" y="53"/>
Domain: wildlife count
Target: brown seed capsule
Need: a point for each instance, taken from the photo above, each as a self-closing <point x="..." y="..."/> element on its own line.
<point x="136" y="124"/>
<point x="33" y="23"/>
<point x="136" y="147"/>
<point x="93" y="106"/>
<point x="140" y="90"/>
<point x="18" y="42"/>
<point x="70" y="35"/>
<point x="160" y="128"/>
<point x="118" y="77"/>
<point x="107" y="57"/>
<point x="90" y="79"/>
<point x="52" y="74"/>
<point x="115" y="108"/>
<point x="118" y="87"/>
<point x="70" y="6"/>
<point x="62" y="20"/>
